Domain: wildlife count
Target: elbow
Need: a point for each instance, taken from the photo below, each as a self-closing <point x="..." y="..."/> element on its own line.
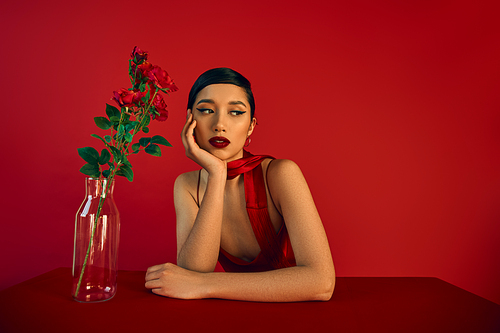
<point x="200" y="266"/>
<point x="327" y="293"/>
<point x="325" y="288"/>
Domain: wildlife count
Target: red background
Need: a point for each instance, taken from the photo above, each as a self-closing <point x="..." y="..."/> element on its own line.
<point x="390" y="108"/>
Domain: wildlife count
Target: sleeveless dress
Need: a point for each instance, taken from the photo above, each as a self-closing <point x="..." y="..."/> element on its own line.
<point x="276" y="250"/>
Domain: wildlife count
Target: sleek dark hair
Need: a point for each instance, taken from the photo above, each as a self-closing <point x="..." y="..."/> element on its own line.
<point x="221" y="75"/>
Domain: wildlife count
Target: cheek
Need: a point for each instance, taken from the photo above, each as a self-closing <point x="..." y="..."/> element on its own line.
<point x="201" y="130"/>
<point x="242" y="133"/>
<point x="197" y="133"/>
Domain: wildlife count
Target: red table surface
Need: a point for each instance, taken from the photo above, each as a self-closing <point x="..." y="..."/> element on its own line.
<point x="359" y="304"/>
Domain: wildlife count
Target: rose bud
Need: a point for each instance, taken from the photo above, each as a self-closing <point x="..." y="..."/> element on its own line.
<point x="138" y="55"/>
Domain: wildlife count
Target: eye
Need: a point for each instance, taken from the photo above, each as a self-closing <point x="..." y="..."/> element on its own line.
<point x="206" y="111"/>
<point x="237" y="113"/>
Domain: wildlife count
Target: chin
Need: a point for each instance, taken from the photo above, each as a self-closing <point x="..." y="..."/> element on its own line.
<point x="225" y="154"/>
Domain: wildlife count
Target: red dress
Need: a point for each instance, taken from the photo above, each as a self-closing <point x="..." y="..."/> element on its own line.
<point x="276" y="250"/>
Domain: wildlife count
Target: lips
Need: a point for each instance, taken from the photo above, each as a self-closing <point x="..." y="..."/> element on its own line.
<point x="219" y="142"/>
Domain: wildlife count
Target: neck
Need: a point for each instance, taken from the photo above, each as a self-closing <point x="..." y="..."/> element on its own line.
<point x="235" y="157"/>
<point x="235" y="183"/>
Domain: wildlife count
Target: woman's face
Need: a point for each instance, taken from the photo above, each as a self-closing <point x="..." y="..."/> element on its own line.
<point x="223" y="123"/>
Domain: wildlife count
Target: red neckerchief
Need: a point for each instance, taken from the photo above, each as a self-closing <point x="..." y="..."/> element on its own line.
<point x="256" y="199"/>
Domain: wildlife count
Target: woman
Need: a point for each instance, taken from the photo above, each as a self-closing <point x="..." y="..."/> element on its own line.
<point x="278" y="253"/>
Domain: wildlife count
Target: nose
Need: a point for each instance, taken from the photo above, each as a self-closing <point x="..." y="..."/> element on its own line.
<point x="219" y="123"/>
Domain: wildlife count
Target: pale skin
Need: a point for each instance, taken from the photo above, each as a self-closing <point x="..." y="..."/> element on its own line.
<point x="222" y="221"/>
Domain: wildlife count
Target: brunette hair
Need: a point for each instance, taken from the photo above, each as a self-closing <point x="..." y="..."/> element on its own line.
<point x="221" y="75"/>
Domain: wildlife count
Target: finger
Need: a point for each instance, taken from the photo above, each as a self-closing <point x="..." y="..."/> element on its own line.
<point x="189" y="117"/>
<point x="153" y="275"/>
<point x="188" y="139"/>
<point x="187" y="131"/>
<point x="153" y="272"/>
<point x="157" y="291"/>
<point x="188" y="122"/>
<point x="154" y="268"/>
<point x="190" y="131"/>
<point x="152" y="284"/>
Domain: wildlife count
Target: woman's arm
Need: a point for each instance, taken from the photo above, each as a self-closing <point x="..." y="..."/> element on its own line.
<point x="294" y="201"/>
<point x="312" y="279"/>
<point x="198" y="231"/>
<point x="293" y="284"/>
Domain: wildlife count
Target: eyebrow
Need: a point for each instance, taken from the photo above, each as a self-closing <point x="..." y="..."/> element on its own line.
<point x="237" y="103"/>
<point x="211" y="101"/>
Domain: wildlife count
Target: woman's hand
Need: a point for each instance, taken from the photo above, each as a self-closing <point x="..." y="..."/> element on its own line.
<point x="173" y="281"/>
<point x="207" y="161"/>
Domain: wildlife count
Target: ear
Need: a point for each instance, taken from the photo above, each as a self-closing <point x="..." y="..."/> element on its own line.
<point x="252" y="126"/>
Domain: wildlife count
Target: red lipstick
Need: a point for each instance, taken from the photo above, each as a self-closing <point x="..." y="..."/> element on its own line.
<point x="219" y="142"/>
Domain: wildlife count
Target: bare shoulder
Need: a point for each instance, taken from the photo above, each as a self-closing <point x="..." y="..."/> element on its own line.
<point x="286" y="182"/>
<point x="282" y="169"/>
<point x="187" y="181"/>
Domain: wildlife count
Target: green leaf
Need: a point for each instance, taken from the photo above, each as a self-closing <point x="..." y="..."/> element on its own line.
<point x="128" y="137"/>
<point x="130" y="72"/>
<point x="105" y="156"/>
<point x="153" y="110"/>
<point x="153" y="149"/>
<point x="145" y="99"/>
<point x="107" y="138"/>
<point x="125" y="161"/>
<point x="117" y="154"/>
<point x="144" y="141"/>
<point x="102" y="123"/>
<point x="121" y="130"/>
<point x="106" y="173"/>
<point x="145" y="129"/>
<point x="127" y="172"/>
<point x="98" y="137"/>
<point x="112" y="111"/>
<point x="135" y="147"/>
<point x="160" y="140"/>
<point x="90" y="170"/>
<point x="89" y="155"/>
<point x="114" y="119"/>
<point x="147" y="120"/>
<point x="130" y="126"/>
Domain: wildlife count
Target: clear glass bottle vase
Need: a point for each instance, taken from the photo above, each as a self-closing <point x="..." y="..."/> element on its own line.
<point x="96" y="243"/>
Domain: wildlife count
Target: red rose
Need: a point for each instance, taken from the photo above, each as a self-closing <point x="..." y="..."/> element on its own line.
<point x="161" y="79"/>
<point x="142" y="70"/>
<point x="138" y="55"/>
<point x="128" y="98"/>
<point x="160" y="107"/>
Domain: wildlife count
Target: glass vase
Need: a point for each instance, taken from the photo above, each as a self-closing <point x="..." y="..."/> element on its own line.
<point x="97" y="236"/>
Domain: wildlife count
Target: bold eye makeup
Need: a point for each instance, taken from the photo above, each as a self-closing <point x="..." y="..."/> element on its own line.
<point x="237" y="113"/>
<point x="206" y="111"/>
